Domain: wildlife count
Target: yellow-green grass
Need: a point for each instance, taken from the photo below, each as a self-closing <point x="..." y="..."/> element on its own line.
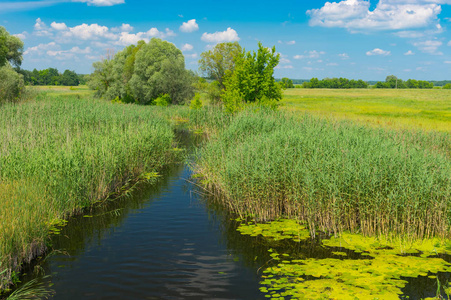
<point x="55" y="91"/>
<point x="58" y="155"/>
<point x="400" y="109"/>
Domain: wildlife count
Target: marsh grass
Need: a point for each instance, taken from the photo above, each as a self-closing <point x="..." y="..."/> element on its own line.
<point x="335" y="176"/>
<point x="59" y="155"/>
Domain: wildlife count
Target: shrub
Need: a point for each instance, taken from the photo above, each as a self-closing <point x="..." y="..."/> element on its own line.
<point x="11" y="84"/>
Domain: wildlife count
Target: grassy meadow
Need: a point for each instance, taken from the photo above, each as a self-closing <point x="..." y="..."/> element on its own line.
<point x="398" y="109"/>
<point x="61" y="154"/>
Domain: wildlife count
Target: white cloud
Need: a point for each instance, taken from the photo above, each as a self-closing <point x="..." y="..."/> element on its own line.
<point x="193" y="56"/>
<point x="355" y="15"/>
<point x="409" y="53"/>
<point x="332" y="64"/>
<point x="429" y="46"/>
<point x="284" y="61"/>
<point x="123" y="28"/>
<point x="310" y="54"/>
<point x="189" y="26"/>
<point x="447" y="61"/>
<point x="449" y="43"/>
<point x="22" y="35"/>
<point x="291" y="42"/>
<point x="90" y="32"/>
<point x="101" y="2"/>
<point x="343" y="56"/>
<point x="410" y="34"/>
<point x="41" y="48"/>
<point x="285" y="67"/>
<point x="154" y="32"/>
<point x="378" y="51"/>
<point x="58" y="26"/>
<point x="230" y="35"/>
<point x="307" y="68"/>
<point x="41" y="29"/>
<point x="187" y="47"/>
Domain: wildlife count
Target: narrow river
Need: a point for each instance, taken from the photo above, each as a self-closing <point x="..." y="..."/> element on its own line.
<point x="164" y="243"/>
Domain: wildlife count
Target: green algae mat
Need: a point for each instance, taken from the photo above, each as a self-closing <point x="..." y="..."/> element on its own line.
<point x="359" y="267"/>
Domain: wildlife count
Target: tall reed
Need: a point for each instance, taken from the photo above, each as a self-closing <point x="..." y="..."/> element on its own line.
<point x="334" y="175"/>
<point x="60" y="155"/>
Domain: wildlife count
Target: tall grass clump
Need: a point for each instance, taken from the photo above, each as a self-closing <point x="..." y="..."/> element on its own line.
<point x="60" y="155"/>
<point x="335" y="176"/>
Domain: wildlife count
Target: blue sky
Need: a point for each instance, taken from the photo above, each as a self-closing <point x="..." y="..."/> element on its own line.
<point x="353" y="38"/>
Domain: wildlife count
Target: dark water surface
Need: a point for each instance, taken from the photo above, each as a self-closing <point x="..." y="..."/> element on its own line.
<point x="162" y="244"/>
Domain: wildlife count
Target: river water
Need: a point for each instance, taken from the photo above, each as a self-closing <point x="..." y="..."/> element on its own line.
<point x="164" y="243"/>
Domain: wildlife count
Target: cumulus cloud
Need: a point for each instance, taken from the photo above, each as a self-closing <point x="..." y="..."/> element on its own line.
<point x="187" y="47"/>
<point x="378" y="51"/>
<point x="230" y="35"/>
<point x="22" y="35"/>
<point x="41" y="29"/>
<point x="429" y="46"/>
<point x="449" y="43"/>
<point x="123" y="28"/>
<point x="310" y="54"/>
<point x="332" y="64"/>
<point x="101" y="2"/>
<point x="355" y="15"/>
<point x="189" y="26"/>
<point x="126" y="38"/>
<point x="41" y="48"/>
<point x="89" y="32"/>
<point x="343" y="56"/>
<point x="284" y="61"/>
<point x="58" y="26"/>
<point x="447" y="61"/>
<point x="409" y="53"/>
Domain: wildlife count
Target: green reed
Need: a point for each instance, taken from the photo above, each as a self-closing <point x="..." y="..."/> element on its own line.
<point x="60" y="155"/>
<point x="334" y="175"/>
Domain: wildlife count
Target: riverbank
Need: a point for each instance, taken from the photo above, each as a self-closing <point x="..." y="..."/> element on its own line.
<point x="62" y="154"/>
<point x="335" y="176"/>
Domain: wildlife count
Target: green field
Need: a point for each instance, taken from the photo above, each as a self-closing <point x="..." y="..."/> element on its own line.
<point x="402" y="109"/>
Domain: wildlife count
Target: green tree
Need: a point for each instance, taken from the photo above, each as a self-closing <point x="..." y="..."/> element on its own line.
<point x="287" y="83"/>
<point x="253" y="81"/>
<point x="447" y="86"/>
<point x="159" y="69"/>
<point x="69" y="78"/>
<point x="11" y="48"/>
<point x="102" y="77"/>
<point x="217" y="61"/>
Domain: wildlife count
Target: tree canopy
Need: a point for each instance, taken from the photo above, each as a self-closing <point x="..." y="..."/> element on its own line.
<point x="217" y="61"/>
<point x="143" y="72"/>
<point x="11" y="48"/>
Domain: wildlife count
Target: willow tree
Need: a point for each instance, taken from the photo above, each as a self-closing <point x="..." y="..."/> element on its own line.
<point x="142" y="73"/>
<point x="160" y="69"/>
<point x="11" y="49"/>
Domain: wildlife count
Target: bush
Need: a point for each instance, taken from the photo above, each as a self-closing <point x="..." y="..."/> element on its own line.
<point x="447" y="86"/>
<point x="163" y="100"/>
<point x="196" y="103"/>
<point x="11" y="84"/>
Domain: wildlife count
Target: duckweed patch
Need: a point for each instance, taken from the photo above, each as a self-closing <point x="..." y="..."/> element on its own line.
<point x="277" y="230"/>
<point x="382" y="275"/>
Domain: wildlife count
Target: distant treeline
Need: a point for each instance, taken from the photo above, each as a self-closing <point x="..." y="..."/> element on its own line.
<point x="391" y="82"/>
<point x="335" y="83"/>
<point x="51" y="76"/>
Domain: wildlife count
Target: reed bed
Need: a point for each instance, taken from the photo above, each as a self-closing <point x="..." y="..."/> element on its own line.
<point x="335" y="176"/>
<point x="60" y="155"/>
